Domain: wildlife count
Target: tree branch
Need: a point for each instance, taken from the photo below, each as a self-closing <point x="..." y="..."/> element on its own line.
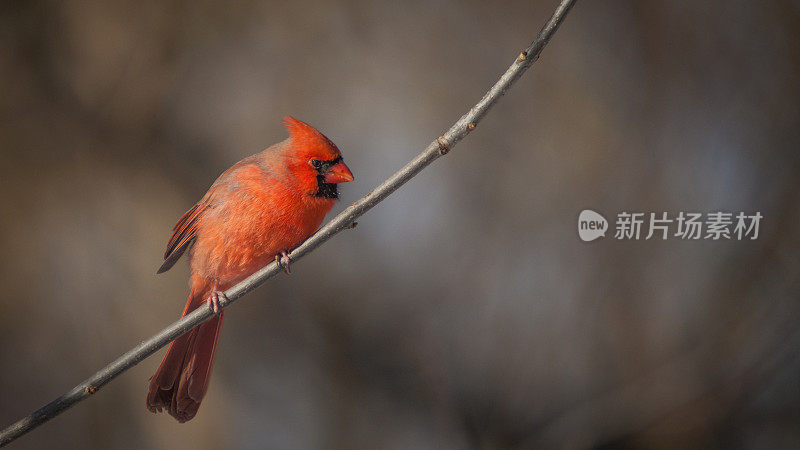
<point x="344" y="220"/>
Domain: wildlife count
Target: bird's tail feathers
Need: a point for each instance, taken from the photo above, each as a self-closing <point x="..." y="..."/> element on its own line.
<point x="181" y="381"/>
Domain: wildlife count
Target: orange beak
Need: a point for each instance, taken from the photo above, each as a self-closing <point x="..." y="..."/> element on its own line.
<point x="338" y="173"/>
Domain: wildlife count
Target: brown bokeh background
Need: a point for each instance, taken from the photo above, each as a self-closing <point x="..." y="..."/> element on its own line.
<point x="463" y="311"/>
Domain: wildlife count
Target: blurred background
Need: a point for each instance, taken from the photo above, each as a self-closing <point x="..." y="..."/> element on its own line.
<point x="463" y="312"/>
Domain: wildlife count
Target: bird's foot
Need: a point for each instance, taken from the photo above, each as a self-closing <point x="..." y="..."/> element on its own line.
<point x="213" y="301"/>
<point x="283" y="261"/>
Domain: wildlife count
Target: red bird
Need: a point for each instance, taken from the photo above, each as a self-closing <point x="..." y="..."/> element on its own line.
<point x="257" y="210"/>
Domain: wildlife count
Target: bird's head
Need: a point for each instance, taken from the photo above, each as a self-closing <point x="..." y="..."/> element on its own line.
<point x="316" y="161"/>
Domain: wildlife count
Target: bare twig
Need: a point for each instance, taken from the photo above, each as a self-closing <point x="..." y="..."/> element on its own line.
<point x="346" y="219"/>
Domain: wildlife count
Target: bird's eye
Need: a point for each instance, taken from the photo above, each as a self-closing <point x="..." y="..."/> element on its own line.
<point x="315" y="163"/>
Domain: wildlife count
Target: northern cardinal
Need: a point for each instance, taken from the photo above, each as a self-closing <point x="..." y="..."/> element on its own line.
<point x="257" y="210"/>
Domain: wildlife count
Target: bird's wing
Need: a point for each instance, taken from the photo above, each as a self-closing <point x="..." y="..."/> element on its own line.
<point x="183" y="235"/>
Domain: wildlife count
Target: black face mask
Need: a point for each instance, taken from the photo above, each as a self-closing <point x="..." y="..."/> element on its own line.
<point x="326" y="190"/>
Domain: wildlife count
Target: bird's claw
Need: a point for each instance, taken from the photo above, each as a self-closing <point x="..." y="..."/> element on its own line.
<point x="283" y="260"/>
<point x="213" y="301"/>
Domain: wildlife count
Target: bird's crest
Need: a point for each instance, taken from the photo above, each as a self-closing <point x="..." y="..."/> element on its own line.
<point x="307" y="136"/>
